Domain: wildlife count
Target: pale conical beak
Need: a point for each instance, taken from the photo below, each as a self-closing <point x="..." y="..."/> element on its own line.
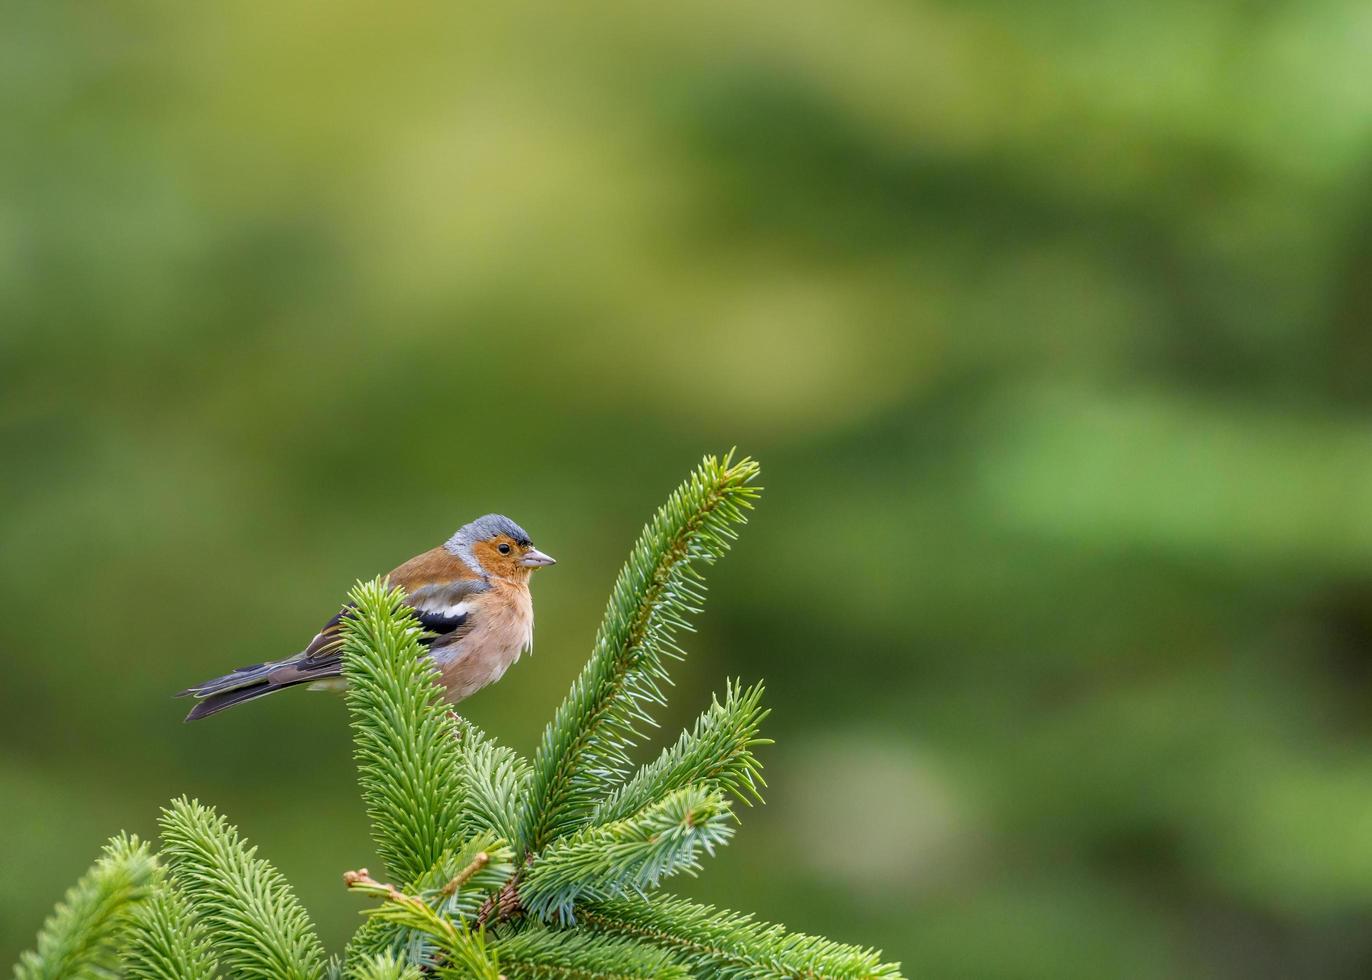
<point x="533" y="558"/>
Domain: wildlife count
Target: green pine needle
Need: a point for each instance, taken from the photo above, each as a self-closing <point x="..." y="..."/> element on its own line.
<point x="459" y="952"/>
<point x="256" y="925"/>
<point x="540" y="953"/>
<point x="167" y="943"/>
<point x="628" y="855"/>
<point x="717" y="752"/>
<point x="82" y="938"/>
<point x="384" y="966"/>
<point x="719" y="943"/>
<point x="407" y="758"/>
<point x="459" y="883"/>
<point x="455" y="888"/>
<point x="496" y="780"/>
<point x="582" y="757"/>
<point x="377" y="937"/>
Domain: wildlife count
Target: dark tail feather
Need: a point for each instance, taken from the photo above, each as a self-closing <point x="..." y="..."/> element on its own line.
<point x="214" y="703"/>
<point x="248" y="683"/>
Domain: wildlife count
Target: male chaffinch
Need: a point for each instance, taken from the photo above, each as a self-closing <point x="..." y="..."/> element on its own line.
<point x="470" y="593"/>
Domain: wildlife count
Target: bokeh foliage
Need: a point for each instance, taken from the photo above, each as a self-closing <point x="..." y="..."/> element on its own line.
<point x="1051" y="321"/>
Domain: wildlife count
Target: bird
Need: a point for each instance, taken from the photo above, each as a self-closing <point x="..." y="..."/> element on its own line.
<point x="471" y="596"/>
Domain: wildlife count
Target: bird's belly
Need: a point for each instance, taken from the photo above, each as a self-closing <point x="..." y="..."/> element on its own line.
<point x="465" y="668"/>
<point x="481" y="657"/>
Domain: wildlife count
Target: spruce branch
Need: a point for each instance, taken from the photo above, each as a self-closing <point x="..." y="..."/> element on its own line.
<point x="719" y="943"/>
<point x="455" y="884"/>
<point x="456" y="887"/>
<point x="83" y="936"/>
<point x="384" y="966"/>
<point x="583" y="753"/>
<point x="459" y="883"/>
<point x="377" y="937"/>
<point x="166" y="942"/>
<point x="628" y="855"/>
<point x="496" y="781"/>
<point x="542" y="953"/>
<point x="255" y="923"/>
<point x="407" y="759"/>
<point x="462" y="953"/>
<point x="717" y="753"/>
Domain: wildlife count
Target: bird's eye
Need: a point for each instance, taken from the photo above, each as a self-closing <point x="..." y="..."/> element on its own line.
<point x="504" y="549"/>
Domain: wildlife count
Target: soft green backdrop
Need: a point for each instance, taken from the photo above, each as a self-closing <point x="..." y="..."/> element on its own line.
<point x="1049" y="322"/>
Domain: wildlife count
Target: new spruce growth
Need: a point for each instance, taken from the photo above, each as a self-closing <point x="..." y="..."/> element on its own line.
<point x="496" y="866"/>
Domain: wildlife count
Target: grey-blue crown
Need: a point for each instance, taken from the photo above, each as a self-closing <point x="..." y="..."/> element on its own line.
<point x="485" y="528"/>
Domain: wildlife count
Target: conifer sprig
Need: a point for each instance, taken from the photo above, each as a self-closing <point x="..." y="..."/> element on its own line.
<point x="629" y="855"/>
<point x="407" y="758"/>
<point x="583" y="754"/>
<point x="462" y="952"/>
<point x="255" y="924"/>
<point x="719" y="943"/>
<point x="717" y="753"/>
<point x="458" y="884"/>
<point x="167" y="943"/>
<point x="495" y="780"/>
<point x="543" y="953"/>
<point x="456" y="888"/>
<point x="377" y="937"/>
<point x="384" y="966"/>
<point x="85" y="933"/>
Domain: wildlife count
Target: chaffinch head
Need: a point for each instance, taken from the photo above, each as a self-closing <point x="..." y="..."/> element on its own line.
<point x="471" y="595"/>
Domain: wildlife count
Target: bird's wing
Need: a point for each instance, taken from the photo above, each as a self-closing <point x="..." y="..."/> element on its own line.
<point x="437" y="585"/>
<point x="440" y="587"/>
<point x="326" y="643"/>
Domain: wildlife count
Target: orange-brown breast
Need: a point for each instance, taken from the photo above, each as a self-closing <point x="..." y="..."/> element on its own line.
<point x="503" y="625"/>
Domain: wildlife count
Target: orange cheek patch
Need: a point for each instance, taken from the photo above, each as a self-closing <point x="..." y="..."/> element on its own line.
<point x="485" y="553"/>
<point x="488" y="553"/>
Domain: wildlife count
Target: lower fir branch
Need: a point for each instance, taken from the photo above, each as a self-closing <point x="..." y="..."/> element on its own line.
<point x="541" y="953"/>
<point x="85" y="933"/>
<point x="377" y="937"/>
<point x="383" y="966"/>
<point x="256" y="925"/>
<point x="495" y="782"/>
<point x="717" y="942"/>
<point x="460" y="952"/>
<point x="629" y="855"/>
<point x="456" y="887"/>
<point x="459" y="883"/>
<point x="716" y="752"/>
<point x="479" y="861"/>
<point x="166" y="942"/>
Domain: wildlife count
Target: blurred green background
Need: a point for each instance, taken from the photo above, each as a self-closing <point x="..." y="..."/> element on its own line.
<point x="1049" y="323"/>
